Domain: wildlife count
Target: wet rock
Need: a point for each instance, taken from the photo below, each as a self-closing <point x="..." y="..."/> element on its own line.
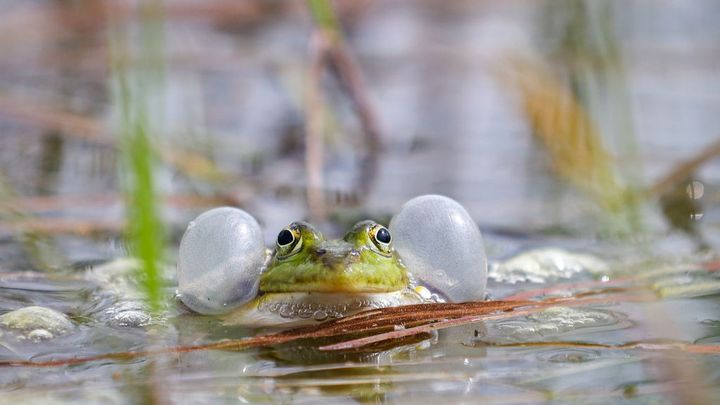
<point x="37" y="323"/>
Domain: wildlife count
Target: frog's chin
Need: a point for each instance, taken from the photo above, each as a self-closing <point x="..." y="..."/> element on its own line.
<point x="298" y="308"/>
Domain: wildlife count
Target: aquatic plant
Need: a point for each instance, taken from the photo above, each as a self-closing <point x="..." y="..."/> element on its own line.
<point x="576" y="102"/>
<point x="328" y="52"/>
<point x="134" y="87"/>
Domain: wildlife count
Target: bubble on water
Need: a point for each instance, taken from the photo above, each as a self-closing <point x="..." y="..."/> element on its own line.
<point x="320" y="315"/>
<point x="39" y="335"/>
<point x="695" y="190"/>
<point x="305" y="312"/>
<point x="131" y="314"/>
<point x="286" y="311"/>
<point x="131" y="319"/>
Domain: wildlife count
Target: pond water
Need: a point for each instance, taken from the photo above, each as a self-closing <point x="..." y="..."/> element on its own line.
<point x="560" y="353"/>
<point x="234" y="95"/>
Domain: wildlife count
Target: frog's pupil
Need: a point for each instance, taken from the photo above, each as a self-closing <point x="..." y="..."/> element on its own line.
<point x="383" y="235"/>
<point x="285" y="237"/>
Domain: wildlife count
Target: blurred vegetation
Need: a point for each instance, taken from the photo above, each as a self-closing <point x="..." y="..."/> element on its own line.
<point x="324" y="15"/>
<point x="40" y="249"/>
<point x="138" y="80"/>
<point x="576" y="100"/>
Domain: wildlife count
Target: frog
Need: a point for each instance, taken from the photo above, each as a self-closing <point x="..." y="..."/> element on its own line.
<point x="430" y="251"/>
<point x="309" y="278"/>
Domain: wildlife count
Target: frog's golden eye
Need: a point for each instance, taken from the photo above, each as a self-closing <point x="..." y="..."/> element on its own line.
<point x="381" y="238"/>
<point x="288" y="242"/>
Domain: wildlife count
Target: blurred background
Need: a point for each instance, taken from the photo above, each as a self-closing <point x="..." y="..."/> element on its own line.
<point x="575" y="118"/>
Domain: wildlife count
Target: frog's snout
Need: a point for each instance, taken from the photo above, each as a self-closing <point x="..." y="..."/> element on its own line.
<point x="336" y="256"/>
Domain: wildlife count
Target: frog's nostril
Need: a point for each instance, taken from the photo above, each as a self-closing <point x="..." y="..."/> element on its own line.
<point x="321" y="251"/>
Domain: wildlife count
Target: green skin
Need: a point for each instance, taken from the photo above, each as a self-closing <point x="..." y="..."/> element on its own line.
<point x="356" y="264"/>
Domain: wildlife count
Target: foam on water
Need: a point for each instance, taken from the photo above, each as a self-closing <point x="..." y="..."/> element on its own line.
<point x="544" y="265"/>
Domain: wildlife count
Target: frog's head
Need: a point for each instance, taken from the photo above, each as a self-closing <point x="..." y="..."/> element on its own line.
<point x="364" y="261"/>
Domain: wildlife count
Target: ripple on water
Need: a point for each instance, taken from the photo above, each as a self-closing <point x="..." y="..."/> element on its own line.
<point x="131" y="314"/>
<point x="555" y="321"/>
<point x="544" y="265"/>
<point x="568" y="355"/>
<point x="696" y="284"/>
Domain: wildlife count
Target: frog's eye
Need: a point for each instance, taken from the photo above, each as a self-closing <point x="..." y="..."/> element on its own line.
<point x="285" y="237"/>
<point x="383" y="235"/>
<point x="381" y="238"/>
<point x="288" y="242"/>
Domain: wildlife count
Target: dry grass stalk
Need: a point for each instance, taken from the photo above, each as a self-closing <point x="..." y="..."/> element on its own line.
<point x="78" y="127"/>
<point x="568" y="134"/>
<point x="315" y="113"/>
<point x="329" y="52"/>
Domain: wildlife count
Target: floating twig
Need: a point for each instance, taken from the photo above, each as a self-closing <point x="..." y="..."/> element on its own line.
<point x="440" y="323"/>
<point x="685" y="169"/>
<point x="573" y="287"/>
<point x="680" y="346"/>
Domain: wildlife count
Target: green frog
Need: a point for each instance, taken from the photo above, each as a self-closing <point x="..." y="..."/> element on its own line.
<point x="309" y="278"/>
<point x="432" y="250"/>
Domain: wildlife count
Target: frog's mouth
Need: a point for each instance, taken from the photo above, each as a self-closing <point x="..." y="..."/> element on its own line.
<point x="281" y="309"/>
